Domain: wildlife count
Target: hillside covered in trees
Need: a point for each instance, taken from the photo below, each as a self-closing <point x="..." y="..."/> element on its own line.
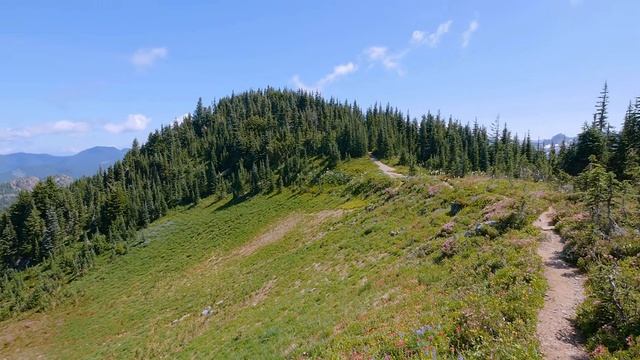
<point x="267" y="140"/>
<point x="245" y="144"/>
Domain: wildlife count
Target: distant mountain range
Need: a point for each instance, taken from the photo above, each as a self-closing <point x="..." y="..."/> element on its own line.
<point x="556" y="141"/>
<point x="87" y="162"/>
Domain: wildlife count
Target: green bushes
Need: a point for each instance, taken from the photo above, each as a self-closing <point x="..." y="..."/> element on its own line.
<point x="610" y="315"/>
<point x="334" y="177"/>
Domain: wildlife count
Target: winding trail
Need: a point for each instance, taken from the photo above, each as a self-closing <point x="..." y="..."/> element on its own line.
<point x="557" y="335"/>
<point x="386" y="169"/>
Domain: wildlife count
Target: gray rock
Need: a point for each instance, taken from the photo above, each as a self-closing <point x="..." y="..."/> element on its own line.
<point x="208" y="311"/>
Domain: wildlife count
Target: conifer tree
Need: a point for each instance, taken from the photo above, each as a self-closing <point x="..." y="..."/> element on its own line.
<point x="601" y="115"/>
<point x="52" y="232"/>
<point x="35" y="229"/>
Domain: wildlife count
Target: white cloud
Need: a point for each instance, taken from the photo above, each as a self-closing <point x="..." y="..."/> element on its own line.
<point x="65" y="126"/>
<point x="433" y="39"/>
<point x="134" y="122"/>
<point x="338" y="72"/>
<point x="58" y="127"/>
<point x="377" y="54"/>
<point x="297" y="83"/>
<point x="144" y="58"/>
<point x="417" y="37"/>
<point x="466" y="36"/>
<point x="180" y="119"/>
<point x="382" y="55"/>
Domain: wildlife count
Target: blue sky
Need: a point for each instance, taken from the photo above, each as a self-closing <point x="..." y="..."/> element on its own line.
<point x="75" y="74"/>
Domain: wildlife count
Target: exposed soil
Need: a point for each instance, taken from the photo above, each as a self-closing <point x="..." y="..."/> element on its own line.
<point x="386" y="169"/>
<point x="283" y="227"/>
<point x="20" y="333"/>
<point x="556" y="333"/>
<point x="272" y="235"/>
<point x="261" y="294"/>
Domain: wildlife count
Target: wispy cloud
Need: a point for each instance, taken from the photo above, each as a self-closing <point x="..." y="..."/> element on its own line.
<point x="390" y="60"/>
<point x="338" y="72"/>
<point x="419" y="37"/>
<point x="58" y="127"/>
<point x="144" y="58"/>
<point x="299" y="84"/>
<point x="180" y="119"/>
<point x="134" y="122"/>
<point x="575" y="2"/>
<point x="466" y="36"/>
<point x="382" y="55"/>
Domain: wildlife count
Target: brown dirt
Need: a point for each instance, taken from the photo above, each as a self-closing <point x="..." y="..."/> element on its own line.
<point x="277" y="232"/>
<point x="386" y="169"/>
<point x="21" y="339"/>
<point x="261" y="294"/>
<point x="556" y="333"/>
<point x="272" y="235"/>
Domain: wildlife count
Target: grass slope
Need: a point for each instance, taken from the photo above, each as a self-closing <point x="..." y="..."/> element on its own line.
<point x="389" y="271"/>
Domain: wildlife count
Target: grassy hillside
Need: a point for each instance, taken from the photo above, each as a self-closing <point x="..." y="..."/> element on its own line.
<point x="355" y="266"/>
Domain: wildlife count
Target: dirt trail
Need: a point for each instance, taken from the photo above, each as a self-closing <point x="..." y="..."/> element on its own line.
<point x="273" y="234"/>
<point x="386" y="169"/>
<point x="283" y="227"/>
<point x="558" y="338"/>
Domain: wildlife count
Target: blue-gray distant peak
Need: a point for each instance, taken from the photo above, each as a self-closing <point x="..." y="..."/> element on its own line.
<point x="84" y="163"/>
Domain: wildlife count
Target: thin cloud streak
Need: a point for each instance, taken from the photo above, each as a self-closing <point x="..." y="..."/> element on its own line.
<point x="58" y="127"/>
<point x="380" y="55"/>
<point x="338" y="72"/>
<point x="419" y="37"/>
<point x="147" y="57"/>
<point x="466" y="36"/>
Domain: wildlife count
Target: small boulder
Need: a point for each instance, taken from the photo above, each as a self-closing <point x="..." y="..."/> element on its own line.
<point x="208" y="311"/>
<point x="455" y="208"/>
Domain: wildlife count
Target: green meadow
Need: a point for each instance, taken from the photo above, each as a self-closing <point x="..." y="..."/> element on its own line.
<point x="354" y="266"/>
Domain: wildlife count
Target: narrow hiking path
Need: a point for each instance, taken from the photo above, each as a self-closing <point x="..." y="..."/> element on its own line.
<point x="557" y="335"/>
<point x="386" y="169"/>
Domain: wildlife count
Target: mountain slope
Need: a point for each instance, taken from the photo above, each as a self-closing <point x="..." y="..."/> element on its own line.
<point x="369" y="268"/>
<point x="84" y="163"/>
<point x="258" y="149"/>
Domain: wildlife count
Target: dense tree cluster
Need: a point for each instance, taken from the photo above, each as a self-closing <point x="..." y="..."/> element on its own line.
<point x="617" y="151"/>
<point x="244" y="144"/>
<point x="450" y="146"/>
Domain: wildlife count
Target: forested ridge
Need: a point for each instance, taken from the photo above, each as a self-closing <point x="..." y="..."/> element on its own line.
<point x="244" y="144"/>
<point x="262" y="141"/>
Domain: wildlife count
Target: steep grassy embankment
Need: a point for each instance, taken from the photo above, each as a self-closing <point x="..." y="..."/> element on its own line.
<point x="357" y="266"/>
